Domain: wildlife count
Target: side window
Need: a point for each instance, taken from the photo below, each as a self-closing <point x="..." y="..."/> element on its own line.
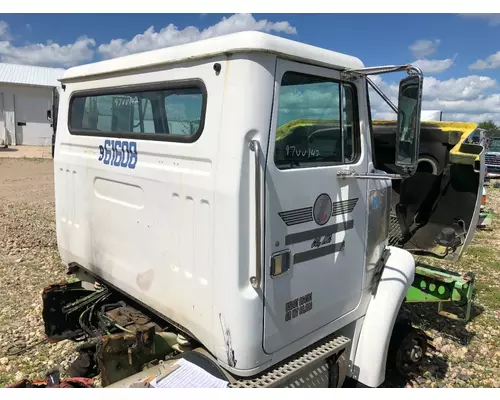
<point x="159" y="114"/>
<point x="184" y="111"/>
<point x="143" y="116"/>
<point x="317" y="122"/>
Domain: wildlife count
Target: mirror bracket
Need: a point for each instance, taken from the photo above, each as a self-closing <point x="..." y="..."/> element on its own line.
<point x="412" y="70"/>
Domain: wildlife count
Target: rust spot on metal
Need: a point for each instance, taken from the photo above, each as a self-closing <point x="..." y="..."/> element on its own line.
<point x="145" y="280"/>
<point x="124" y="354"/>
<point x="231" y="360"/>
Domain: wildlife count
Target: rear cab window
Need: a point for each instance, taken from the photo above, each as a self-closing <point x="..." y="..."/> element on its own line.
<point x="317" y="122"/>
<point x="171" y="113"/>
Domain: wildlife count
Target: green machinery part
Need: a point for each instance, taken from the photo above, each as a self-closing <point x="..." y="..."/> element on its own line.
<point x="485" y="220"/>
<point x="435" y="285"/>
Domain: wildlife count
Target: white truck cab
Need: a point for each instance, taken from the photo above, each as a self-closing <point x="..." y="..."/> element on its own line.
<point x="228" y="186"/>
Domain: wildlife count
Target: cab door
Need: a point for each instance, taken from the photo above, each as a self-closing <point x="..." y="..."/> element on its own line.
<point x="315" y="222"/>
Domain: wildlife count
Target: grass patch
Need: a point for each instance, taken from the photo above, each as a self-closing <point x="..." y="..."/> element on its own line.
<point x="4" y="381"/>
<point x="483" y="255"/>
<point x="488" y="295"/>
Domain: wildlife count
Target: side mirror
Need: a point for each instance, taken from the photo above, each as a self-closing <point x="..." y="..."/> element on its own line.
<point x="49" y="115"/>
<point x="408" y="129"/>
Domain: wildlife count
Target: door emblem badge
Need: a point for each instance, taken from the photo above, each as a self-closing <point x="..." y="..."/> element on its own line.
<point x="322" y="210"/>
<point x="322" y="205"/>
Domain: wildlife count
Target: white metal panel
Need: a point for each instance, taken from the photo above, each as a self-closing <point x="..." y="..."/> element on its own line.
<point x="26" y="107"/>
<point x="147" y="230"/>
<point x="238" y="307"/>
<point x="3" y="135"/>
<point x="371" y="353"/>
<point x="10" y="127"/>
<point x="32" y="126"/>
<point x="8" y="117"/>
<point x="241" y="42"/>
<point x="30" y="75"/>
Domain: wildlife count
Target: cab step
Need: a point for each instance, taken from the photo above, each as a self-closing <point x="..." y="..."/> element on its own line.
<point x="284" y="373"/>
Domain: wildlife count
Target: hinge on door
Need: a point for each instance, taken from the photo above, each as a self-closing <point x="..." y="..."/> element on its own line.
<point x="349" y="76"/>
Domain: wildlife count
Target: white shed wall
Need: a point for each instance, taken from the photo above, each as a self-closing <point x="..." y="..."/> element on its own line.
<point x="23" y="114"/>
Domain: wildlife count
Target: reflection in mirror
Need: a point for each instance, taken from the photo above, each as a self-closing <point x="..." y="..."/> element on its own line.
<point x="408" y="131"/>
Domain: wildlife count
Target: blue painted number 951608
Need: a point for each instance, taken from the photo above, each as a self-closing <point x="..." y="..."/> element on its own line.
<point x="119" y="153"/>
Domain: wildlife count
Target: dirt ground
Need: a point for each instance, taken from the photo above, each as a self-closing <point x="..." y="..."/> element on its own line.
<point x="466" y="355"/>
<point x="44" y="152"/>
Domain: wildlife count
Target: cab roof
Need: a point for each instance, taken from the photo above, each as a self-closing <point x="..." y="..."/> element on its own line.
<point x="242" y="42"/>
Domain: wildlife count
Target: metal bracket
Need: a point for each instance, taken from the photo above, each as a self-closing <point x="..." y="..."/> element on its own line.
<point x="386" y="69"/>
<point x="379" y="268"/>
<point x="351" y="173"/>
<point x="434" y="285"/>
<point x="352" y="74"/>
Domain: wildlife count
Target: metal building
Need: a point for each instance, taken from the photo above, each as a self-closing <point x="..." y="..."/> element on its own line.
<point x="25" y="97"/>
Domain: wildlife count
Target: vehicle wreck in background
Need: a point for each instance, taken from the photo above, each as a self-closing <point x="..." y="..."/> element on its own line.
<point x="493" y="157"/>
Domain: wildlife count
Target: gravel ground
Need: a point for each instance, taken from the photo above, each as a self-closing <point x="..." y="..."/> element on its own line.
<point x="465" y="356"/>
<point x="28" y="262"/>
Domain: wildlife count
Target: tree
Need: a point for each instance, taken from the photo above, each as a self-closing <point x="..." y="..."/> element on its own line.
<point x="490" y="127"/>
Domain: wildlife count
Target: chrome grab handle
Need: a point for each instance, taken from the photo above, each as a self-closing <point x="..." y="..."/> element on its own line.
<point x="351" y="173"/>
<point x="255" y="280"/>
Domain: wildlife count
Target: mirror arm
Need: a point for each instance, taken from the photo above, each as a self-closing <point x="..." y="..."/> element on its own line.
<point x="381" y="94"/>
<point x="410" y="70"/>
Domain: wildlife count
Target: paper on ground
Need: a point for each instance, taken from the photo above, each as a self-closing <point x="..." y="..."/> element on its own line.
<point x="189" y="375"/>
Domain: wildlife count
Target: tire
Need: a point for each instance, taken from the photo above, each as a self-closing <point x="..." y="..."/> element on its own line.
<point x="407" y="348"/>
<point x="338" y="372"/>
<point x="428" y="163"/>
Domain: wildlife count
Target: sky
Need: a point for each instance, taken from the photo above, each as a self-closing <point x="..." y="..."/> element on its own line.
<point x="458" y="53"/>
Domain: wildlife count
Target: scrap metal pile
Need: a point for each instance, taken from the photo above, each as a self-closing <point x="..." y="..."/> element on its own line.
<point x="119" y="340"/>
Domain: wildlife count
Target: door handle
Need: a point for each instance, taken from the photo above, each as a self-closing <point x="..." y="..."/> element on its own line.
<point x="255" y="280"/>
